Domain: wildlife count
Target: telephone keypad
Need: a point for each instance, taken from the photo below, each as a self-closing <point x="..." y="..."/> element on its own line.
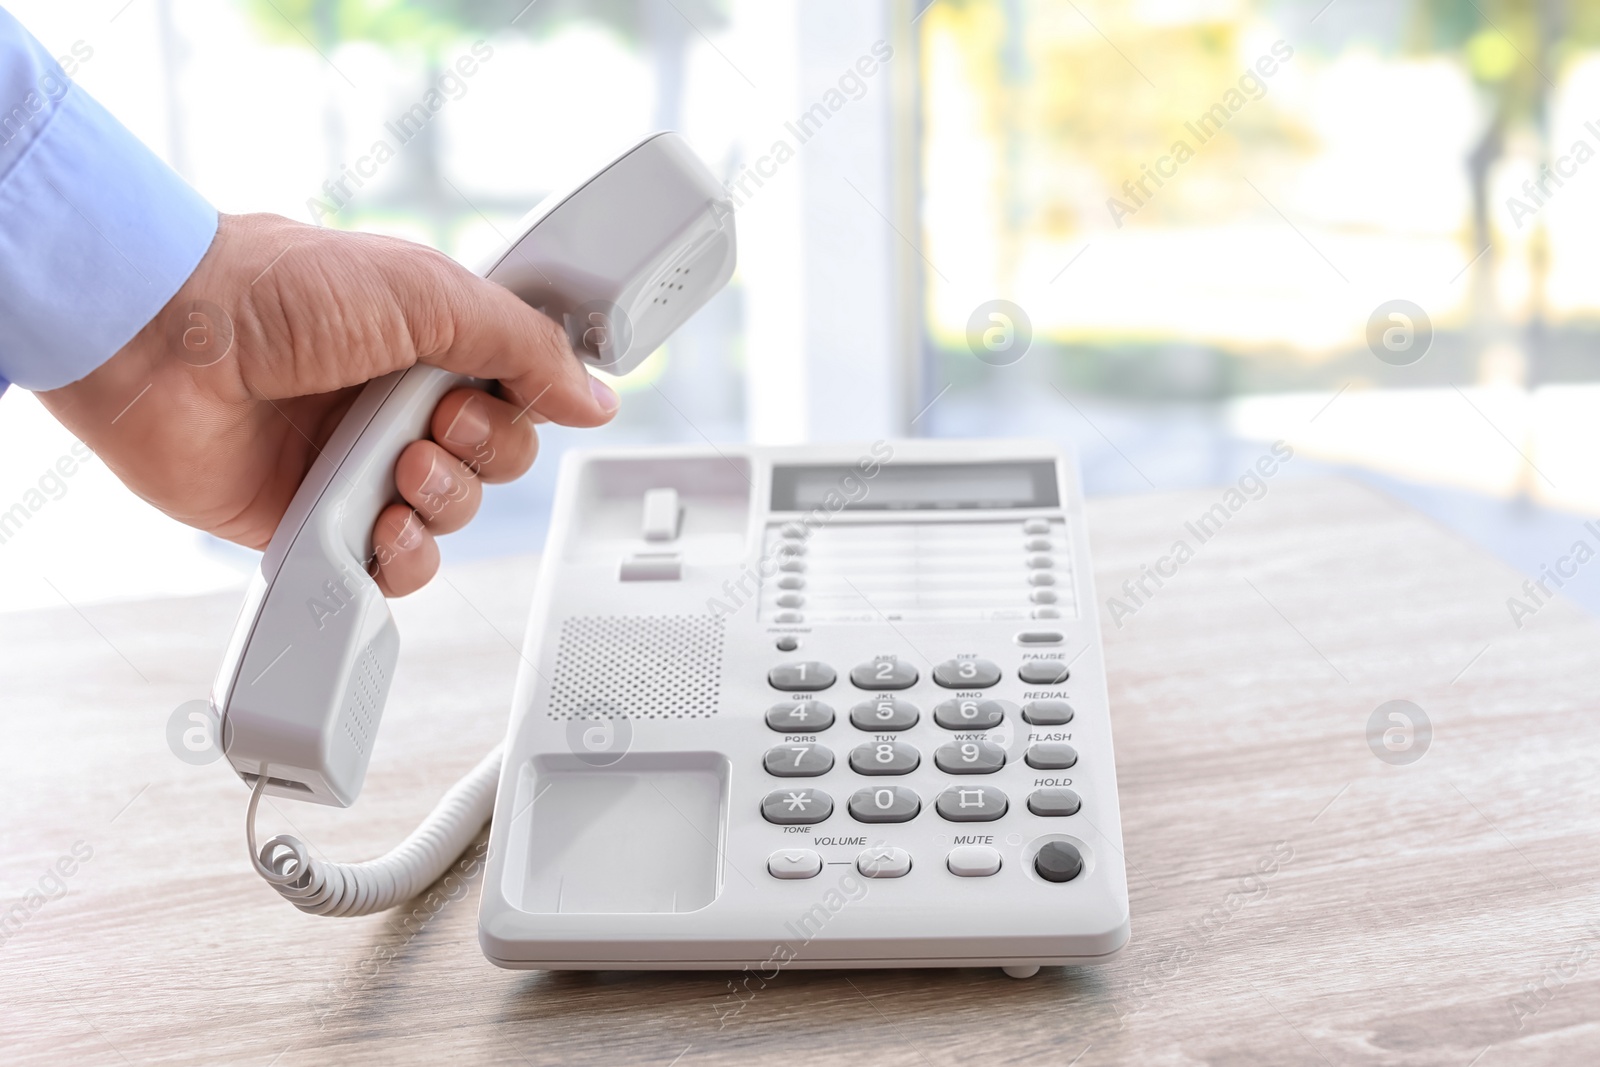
<point x="796" y="807"/>
<point x="884" y="757"/>
<point x="805" y="677"/>
<point x="966" y="674"/>
<point x="800" y="716"/>
<point x="887" y="714"/>
<point x="970" y="714"/>
<point x="798" y="761"/>
<point x="885" y="803"/>
<point x="969" y="757"/>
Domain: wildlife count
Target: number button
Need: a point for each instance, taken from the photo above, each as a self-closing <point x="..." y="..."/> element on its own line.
<point x="1051" y="756"/>
<point x="885" y="804"/>
<point x="884" y="674"/>
<point x="966" y="674"/>
<point x="800" y="716"/>
<point x="885" y="713"/>
<point x="798" y="761"/>
<point x="796" y="807"/>
<point x="884" y="757"/>
<point x="969" y="757"/>
<point x="1043" y="671"/>
<point x="971" y="803"/>
<point x="806" y="676"/>
<point x="971" y="714"/>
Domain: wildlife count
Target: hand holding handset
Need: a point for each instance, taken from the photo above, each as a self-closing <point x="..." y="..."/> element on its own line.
<point x="621" y="261"/>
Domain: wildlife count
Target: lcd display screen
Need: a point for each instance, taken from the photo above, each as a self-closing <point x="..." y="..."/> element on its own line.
<point x="917" y="486"/>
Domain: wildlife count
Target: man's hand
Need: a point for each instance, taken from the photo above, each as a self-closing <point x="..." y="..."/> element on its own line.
<point x="215" y="418"/>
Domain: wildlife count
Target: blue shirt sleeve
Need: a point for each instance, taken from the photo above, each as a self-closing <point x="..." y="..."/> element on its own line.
<point x="96" y="232"/>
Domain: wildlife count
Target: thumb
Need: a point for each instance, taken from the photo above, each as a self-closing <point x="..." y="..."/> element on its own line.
<point x="468" y="325"/>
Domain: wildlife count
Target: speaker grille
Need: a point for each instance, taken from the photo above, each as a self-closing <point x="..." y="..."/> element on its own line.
<point x="637" y="667"/>
<point x="366" y="687"/>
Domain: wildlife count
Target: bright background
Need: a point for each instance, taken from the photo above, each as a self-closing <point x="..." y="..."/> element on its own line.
<point x="1230" y="310"/>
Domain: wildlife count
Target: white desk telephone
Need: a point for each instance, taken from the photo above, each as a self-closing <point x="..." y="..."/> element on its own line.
<point x="811" y="706"/>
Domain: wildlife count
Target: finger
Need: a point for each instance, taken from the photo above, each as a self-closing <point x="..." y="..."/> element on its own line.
<point x="441" y="488"/>
<point x="406" y="552"/>
<point x="491" y="436"/>
<point x="465" y="324"/>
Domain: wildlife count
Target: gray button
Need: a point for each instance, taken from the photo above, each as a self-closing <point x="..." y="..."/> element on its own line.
<point x="970" y="714"/>
<point x="800" y="716"/>
<point x="1038" y="596"/>
<point x="806" y="676"/>
<point x="886" y="673"/>
<point x="1058" y="861"/>
<point x="794" y="863"/>
<point x="884" y="757"/>
<point x="796" y="807"/>
<point x="884" y="863"/>
<point x="1038" y="544"/>
<point x="1040" y="563"/>
<point x="1047" y="712"/>
<point x="793" y="566"/>
<point x="798" y="761"/>
<point x="792" y="529"/>
<point x="884" y="713"/>
<point x="794" y="581"/>
<point x="1045" y="613"/>
<point x="788" y="616"/>
<point x="1054" y="802"/>
<point x="791" y="548"/>
<point x="1043" y="672"/>
<point x="971" y="803"/>
<point x="969" y="757"/>
<point x="788" y="643"/>
<point x="1051" y="756"/>
<point x="1041" y="578"/>
<point x="966" y="673"/>
<point x="1040" y="637"/>
<point x="885" y="803"/>
<point x="795" y="600"/>
<point x="973" y="861"/>
<point x="1036" y="526"/>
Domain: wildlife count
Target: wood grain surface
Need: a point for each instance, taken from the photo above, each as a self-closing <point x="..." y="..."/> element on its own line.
<point x="1296" y="899"/>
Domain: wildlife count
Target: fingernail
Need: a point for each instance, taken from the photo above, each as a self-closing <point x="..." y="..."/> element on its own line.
<point x="439" y="482"/>
<point x="604" y="395"/>
<point x="470" y="427"/>
<point x="410" y="535"/>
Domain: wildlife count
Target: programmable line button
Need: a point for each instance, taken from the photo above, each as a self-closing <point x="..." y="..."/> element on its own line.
<point x="884" y="757"/>
<point x="884" y="863"/>
<point x="971" y="803"/>
<point x="973" y="861"/>
<point x="796" y="807"/>
<point x="806" y="676"/>
<point x="966" y="674"/>
<point x="969" y="757"/>
<point x="798" y="761"/>
<point x="800" y="716"/>
<point x="1054" y="803"/>
<point x="1051" y="756"/>
<point x="1043" y="672"/>
<point x="884" y="803"/>
<point x="887" y="673"/>
<point x="885" y="713"/>
<point x="971" y="713"/>
<point x="1047" y="712"/>
<point x="794" y="863"/>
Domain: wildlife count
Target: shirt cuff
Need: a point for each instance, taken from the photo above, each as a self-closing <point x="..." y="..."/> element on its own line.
<point x="96" y="234"/>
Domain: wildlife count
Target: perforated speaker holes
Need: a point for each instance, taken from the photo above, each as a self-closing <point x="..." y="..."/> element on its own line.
<point x="638" y="667"/>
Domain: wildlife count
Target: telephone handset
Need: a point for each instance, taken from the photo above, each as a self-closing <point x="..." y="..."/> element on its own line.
<point x="621" y="260"/>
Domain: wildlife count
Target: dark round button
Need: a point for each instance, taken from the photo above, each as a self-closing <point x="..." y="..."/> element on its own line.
<point x="1058" y="861"/>
<point x="788" y="644"/>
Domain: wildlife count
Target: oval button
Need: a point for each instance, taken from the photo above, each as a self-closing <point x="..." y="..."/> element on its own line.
<point x="805" y="676"/>
<point x="973" y="861"/>
<point x="885" y="673"/>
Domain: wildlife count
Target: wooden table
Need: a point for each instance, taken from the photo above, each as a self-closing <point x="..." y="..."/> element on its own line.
<point x="1437" y="912"/>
